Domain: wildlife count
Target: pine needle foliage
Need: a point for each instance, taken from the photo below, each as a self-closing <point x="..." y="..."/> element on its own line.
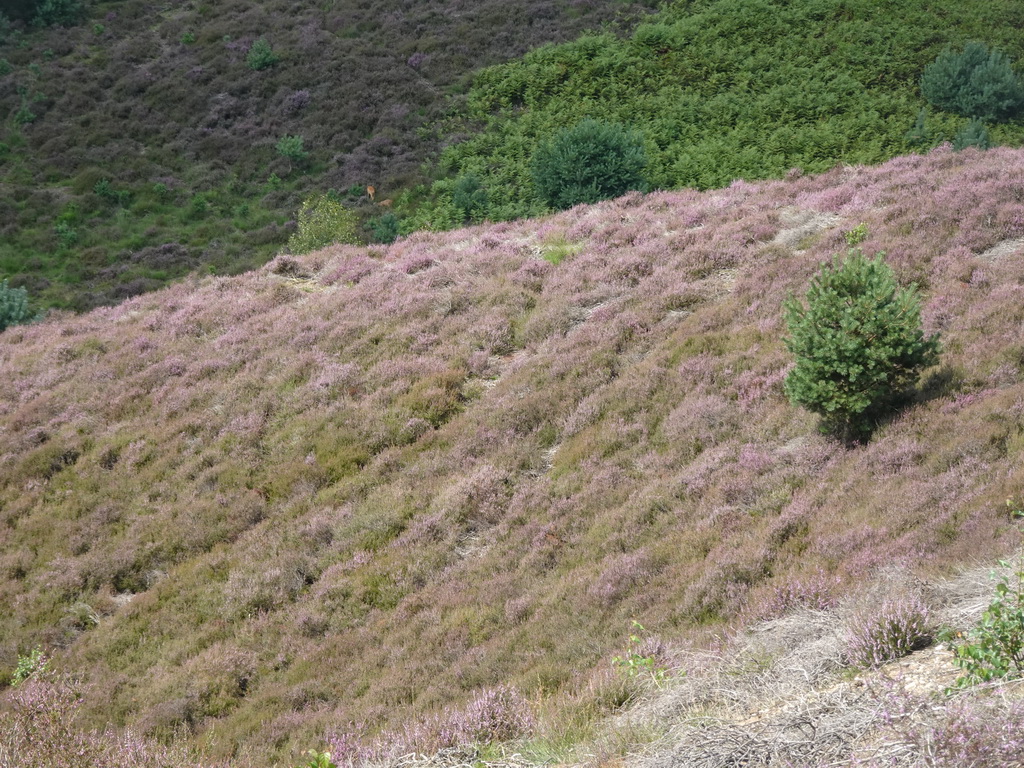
<point x="591" y="161"/>
<point x="858" y="343"/>
<point x="975" y="82"/>
<point x="13" y="306"/>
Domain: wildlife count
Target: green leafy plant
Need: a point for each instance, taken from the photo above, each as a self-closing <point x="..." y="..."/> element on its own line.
<point x="636" y="663"/>
<point x="590" y="161"/>
<point x="975" y="83"/>
<point x="858" y="344"/>
<point x="974" y="134"/>
<point x="188" y="37"/>
<point x="13" y="306"/>
<point x="261" y="56"/>
<point x="29" y="666"/>
<point x="995" y="647"/>
<point x="322" y="221"/>
<point x="292" y="148"/>
<point x="318" y="760"/>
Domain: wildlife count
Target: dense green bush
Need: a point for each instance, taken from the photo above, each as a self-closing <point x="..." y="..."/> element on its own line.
<point x="261" y="56"/>
<point x="591" y="161"/>
<point x="292" y="148"/>
<point x="858" y="344"/>
<point x="13" y="306"/>
<point x="385" y="229"/>
<point x="974" y="134"/>
<point x="469" y="197"/>
<point x="322" y="221"/>
<point x="975" y="83"/>
<point x="50" y="13"/>
<point x="995" y="648"/>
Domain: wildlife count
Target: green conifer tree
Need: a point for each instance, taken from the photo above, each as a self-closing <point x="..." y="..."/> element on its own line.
<point x="858" y="344"/>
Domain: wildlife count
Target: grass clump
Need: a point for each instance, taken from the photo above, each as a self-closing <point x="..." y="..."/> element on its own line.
<point x="894" y="629"/>
<point x="858" y="344"/>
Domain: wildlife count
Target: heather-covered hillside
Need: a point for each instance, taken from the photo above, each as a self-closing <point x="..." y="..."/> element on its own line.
<point x="142" y="143"/>
<point x="355" y="488"/>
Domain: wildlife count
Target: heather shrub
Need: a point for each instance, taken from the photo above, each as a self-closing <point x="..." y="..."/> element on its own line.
<point x="995" y="648"/>
<point x="975" y="83"/>
<point x="261" y="56"/>
<point x="322" y="221"/>
<point x="13" y="306"/>
<point x="858" y="343"/>
<point x="974" y="134"/>
<point x="886" y="632"/>
<point x="591" y="161"/>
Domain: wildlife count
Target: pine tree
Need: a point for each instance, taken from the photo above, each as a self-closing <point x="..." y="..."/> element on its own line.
<point x="13" y="306"/>
<point x="858" y="344"/>
<point x="588" y="162"/>
<point x="975" y="83"/>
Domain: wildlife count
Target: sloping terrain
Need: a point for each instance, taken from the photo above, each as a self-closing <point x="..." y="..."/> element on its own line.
<point x="353" y="488"/>
<point x="141" y="144"/>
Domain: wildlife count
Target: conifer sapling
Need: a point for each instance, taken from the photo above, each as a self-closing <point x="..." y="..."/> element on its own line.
<point x="858" y="343"/>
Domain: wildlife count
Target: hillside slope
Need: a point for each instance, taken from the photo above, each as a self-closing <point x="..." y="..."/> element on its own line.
<point x="359" y="486"/>
<point x="141" y="144"/>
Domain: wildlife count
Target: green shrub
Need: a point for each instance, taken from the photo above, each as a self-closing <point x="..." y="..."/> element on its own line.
<point x="469" y="197"/>
<point x="384" y="228"/>
<point x="51" y="13"/>
<point x="29" y="666"/>
<point x="995" y="648"/>
<point x="13" y="306"/>
<point x="321" y="222"/>
<point x="588" y="162"/>
<point x="975" y="83"/>
<point x="858" y="344"/>
<point x="291" y="148"/>
<point x="261" y="56"/>
<point x="974" y="134"/>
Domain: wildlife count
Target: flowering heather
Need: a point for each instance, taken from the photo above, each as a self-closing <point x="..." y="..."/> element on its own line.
<point x="371" y="484"/>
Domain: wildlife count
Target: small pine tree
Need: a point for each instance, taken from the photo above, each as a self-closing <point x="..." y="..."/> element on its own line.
<point x="975" y="83"/>
<point x="974" y="134"/>
<point x="590" y="161"/>
<point x="13" y="306"/>
<point x="858" y="344"/>
<point x="469" y="197"/>
<point x="321" y="222"/>
<point x="918" y="133"/>
<point x="261" y="56"/>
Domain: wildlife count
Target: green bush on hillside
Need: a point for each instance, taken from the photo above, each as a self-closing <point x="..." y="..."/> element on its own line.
<point x="293" y="148"/>
<point x="13" y="306"/>
<point x="974" y="134"/>
<point x="261" y="56"/>
<point x="322" y="221"/>
<point x="51" y="13"/>
<point x="591" y="161"/>
<point x="995" y="648"/>
<point x="858" y="344"/>
<point x="975" y="83"/>
<point x="469" y="197"/>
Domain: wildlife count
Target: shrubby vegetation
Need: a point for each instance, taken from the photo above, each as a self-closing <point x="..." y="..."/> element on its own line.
<point x="13" y="305"/>
<point x="364" y="85"/>
<point x="723" y="90"/>
<point x="322" y="221"/>
<point x="858" y="344"/>
<point x="995" y="648"/>
<point x="588" y="162"/>
<point x="976" y="83"/>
